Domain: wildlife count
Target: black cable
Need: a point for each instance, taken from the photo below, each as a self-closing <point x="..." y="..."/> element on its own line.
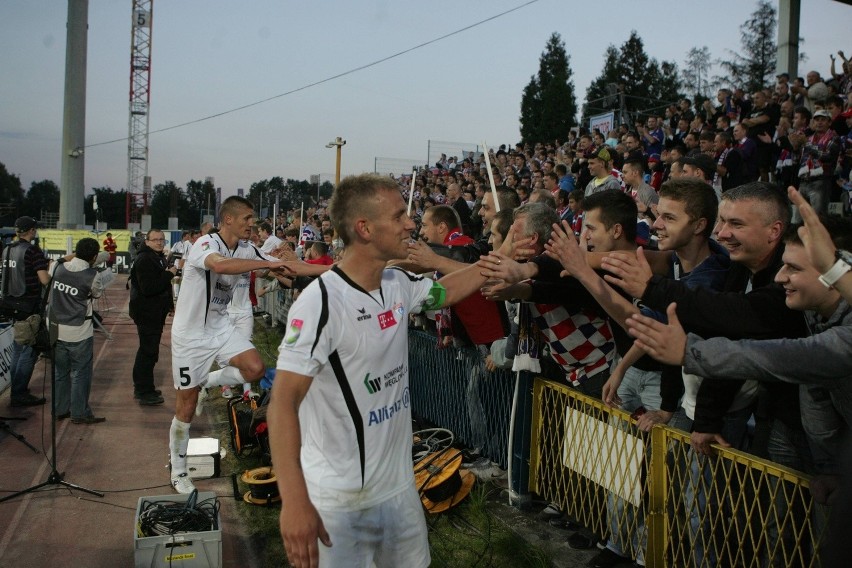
<point x="327" y="79"/>
<point x="168" y="518"/>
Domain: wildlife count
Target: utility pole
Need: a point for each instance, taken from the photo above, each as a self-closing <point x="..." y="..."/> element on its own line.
<point x="339" y="143"/>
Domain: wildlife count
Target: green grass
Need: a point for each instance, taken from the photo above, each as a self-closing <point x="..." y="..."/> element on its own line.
<point x="466" y="536"/>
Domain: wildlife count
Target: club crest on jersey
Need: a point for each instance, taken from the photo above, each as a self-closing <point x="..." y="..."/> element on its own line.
<point x="205" y="246"/>
<point x="293" y="331"/>
<point x="386" y="319"/>
<point x="399" y="309"/>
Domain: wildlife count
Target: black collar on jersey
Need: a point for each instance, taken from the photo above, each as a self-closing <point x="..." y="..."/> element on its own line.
<point x="227" y="248"/>
<point x="336" y="269"/>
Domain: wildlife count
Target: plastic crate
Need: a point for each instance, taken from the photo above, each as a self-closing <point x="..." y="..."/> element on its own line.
<point x="201" y="549"/>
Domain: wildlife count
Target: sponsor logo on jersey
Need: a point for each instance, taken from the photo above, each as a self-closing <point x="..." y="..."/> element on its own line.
<point x="388" y="411"/>
<point x="373" y="385"/>
<point x="293" y="331"/>
<point x="364" y="315"/>
<point x="386" y="319"/>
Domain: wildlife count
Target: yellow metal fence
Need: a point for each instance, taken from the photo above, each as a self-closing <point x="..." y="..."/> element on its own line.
<point x="658" y="501"/>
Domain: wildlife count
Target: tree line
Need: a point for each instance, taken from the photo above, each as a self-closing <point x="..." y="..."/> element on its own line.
<point x="188" y="203"/>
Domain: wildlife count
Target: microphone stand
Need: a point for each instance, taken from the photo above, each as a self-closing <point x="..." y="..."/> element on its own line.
<point x="55" y="477"/>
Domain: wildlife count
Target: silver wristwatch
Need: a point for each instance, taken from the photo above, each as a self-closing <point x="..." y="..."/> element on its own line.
<point x="841" y="267"/>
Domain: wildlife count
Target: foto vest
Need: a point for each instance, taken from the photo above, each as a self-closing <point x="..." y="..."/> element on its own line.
<point x="69" y="295"/>
<point x="15" y="284"/>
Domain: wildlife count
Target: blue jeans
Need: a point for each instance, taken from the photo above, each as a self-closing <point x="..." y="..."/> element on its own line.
<point x="702" y="490"/>
<point x="787" y="447"/>
<point x="23" y="361"/>
<point x="639" y="388"/>
<point x="73" y="363"/>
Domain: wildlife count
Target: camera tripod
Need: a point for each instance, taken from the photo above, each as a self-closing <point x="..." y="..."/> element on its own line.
<point x="6" y="427"/>
<point x="55" y="477"/>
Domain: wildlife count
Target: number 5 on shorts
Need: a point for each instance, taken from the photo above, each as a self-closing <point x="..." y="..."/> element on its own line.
<point x="184" y="377"/>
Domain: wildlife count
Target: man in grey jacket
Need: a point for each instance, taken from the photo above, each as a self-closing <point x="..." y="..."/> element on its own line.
<point x="819" y="362"/>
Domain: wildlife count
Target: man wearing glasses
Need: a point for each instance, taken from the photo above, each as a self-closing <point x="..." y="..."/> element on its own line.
<point x="150" y="303"/>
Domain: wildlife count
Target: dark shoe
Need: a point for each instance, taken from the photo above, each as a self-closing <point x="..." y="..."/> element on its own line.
<point x="60" y="417"/>
<point x="580" y="541"/>
<point x="27" y="400"/>
<point x="89" y="420"/>
<point x="157" y="392"/>
<point x="606" y="558"/>
<point x="150" y="399"/>
<point x="563" y="523"/>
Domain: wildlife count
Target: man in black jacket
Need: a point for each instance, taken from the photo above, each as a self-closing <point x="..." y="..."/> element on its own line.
<point x="150" y="303"/>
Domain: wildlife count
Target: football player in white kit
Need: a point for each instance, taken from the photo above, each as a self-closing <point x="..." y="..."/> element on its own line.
<point x="202" y="332"/>
<point x="340" y="417"/>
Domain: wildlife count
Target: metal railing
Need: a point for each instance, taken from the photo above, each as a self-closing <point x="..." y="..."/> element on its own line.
<point x="651" y="496"/>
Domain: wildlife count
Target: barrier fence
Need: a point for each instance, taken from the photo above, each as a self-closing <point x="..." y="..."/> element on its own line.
<point x="651" y="494"/>
<point x="452" y="389"/>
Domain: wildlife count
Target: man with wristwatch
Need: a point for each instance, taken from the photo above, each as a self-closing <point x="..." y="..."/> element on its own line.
<point x="838" y="270"/>
<point x="819" y="362"/>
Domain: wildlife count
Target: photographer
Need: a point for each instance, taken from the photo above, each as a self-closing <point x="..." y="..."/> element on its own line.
<point x="150" y="303"/>
<point x="24" y="275"/>
<point x="74" y="284"/>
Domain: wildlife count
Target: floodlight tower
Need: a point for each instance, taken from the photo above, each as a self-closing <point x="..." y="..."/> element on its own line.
<point x="140" y="98"/>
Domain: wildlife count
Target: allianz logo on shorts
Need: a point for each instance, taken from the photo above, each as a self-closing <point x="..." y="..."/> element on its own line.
<point x="388" y="411"/>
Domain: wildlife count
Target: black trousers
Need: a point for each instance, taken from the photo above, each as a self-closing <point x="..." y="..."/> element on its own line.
<point x="146" y="357"/>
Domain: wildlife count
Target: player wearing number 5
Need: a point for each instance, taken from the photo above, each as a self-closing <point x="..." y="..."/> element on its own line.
<point x="201" y="332"/>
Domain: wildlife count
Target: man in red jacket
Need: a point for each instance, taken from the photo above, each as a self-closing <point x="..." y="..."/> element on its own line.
<point x="479" y="317"/>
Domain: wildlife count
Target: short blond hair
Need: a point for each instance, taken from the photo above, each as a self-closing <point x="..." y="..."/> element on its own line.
<point x="353" y="198"/>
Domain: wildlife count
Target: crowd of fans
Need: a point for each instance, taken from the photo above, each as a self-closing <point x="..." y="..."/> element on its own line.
<point x="703" y="189"/>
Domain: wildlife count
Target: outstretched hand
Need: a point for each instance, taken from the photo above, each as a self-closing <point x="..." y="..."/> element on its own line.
<point x="664" y="342"/>
<point x="563" y="246"/>
<point x="629" y="272"/>
<point x="814" y="235"/>
<point x="421" y="255"/>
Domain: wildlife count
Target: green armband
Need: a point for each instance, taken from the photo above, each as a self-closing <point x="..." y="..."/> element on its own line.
<point x="436" y="297"/>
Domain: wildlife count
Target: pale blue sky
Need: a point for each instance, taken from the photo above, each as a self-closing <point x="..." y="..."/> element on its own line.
<point x="213" y="55"/>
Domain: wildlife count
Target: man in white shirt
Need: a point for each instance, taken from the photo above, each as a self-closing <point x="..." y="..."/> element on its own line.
<point x="202" y="332"/>
<point x="270" y="241"/>
<point x="340" y="418"/>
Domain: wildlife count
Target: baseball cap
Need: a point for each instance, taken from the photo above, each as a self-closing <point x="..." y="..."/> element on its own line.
<point x="701" y="161"/>
<point x="822" y="113"/>
<point x="24" y="224"/>
<point x="602" y="154"/>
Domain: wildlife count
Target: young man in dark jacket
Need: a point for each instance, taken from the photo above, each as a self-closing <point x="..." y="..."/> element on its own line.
<point x="150" y="303"/>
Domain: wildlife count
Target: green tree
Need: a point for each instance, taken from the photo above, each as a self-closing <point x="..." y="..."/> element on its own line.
<point x="632" y="82"/>
<point x="602" y="95"/>
<point x="696" y="72"/>
<point x="548" y="104"/>
<point x="42" y="197"/>
<point x="161" y="206"/>
<point x="11" y="196"/>
<point x="112" y="207"/>
<point x="202" y="200"/>
<point x="665" y="85"/>
<point x="755" y="69"/>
